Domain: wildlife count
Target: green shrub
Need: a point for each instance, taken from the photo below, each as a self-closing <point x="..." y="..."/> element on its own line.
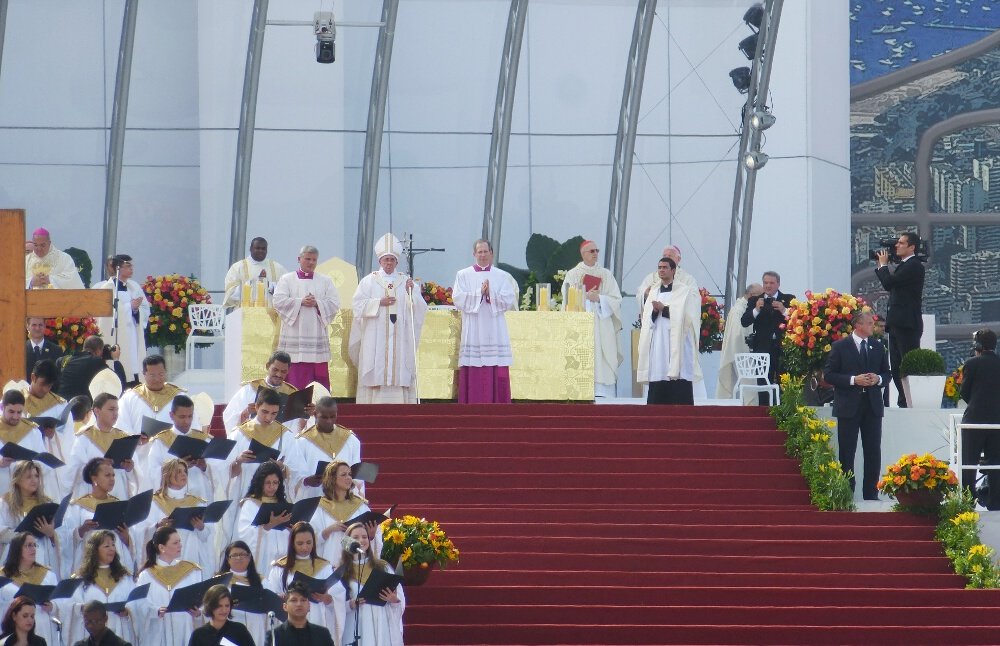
<point x="921" y="362"/>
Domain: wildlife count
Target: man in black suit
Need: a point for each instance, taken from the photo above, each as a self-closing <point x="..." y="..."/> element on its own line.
<point x="979" y="389"/>
<point x="905" y="285"/>
<point x="857" y="367"/>
<point x="767" y="313"/>
<point x="80" y="369"/>
<point x="37" y="347"/>
<point x="297" y="631"/>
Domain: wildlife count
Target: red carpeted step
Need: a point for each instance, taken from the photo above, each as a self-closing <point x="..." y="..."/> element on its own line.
<point x="545" y="410"/>
<point x="371" y="427"/>
<point x="777" y="466"/>
<point x="374" y="450"/>
<point x="431" y="494"/>
<point x="636" y="480"/>
<point x="529" y="433"/>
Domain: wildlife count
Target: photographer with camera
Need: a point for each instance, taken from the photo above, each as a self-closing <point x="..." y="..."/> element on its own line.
<point x="767" y="313"/>
<point x="904" y="323"/>
<point x="81" y="368"/>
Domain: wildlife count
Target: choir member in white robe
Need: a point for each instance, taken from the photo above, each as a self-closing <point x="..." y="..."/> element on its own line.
<point x="327" y="609"/>
<point x="306" y="302"/>
<point x="131" y="315"/>
<point x="151" y="398"/>
<point x="241" y="407"/>
<point x="377" y="625"/>
<point x="251" y="271"/>
<point x="269" y="540"/>
<point x="605" y="301"/>
<point x="15" y="429"/>
<point x="667" y="342"/>
<point x="198" y="544"/>
<point x="483" y="294"/>
<point x="204" y="478"/>
<point x="339" y="504"/>
<point x="165" y="571"/>
<point x="78" y="523"/>
<point x="734" y="342"/>
<point x="105" y="579"/>
<point x="93" y="441"/>
<point x="326" y="441"/>
<point x="238" y="559"/>
<point x="48" y="268"/>
<point x="263" y="428"/>
<point x="21" y="566"/>
<point x="41" y="402"/>
<point x="388" y="317"/>
<point x="26" y="492"/>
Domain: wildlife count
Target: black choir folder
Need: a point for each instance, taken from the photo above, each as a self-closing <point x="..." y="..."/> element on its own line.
<point x="319" y="586"/>
<point x="378" y="581"/>
<point x="151" y="426"/>
<point x="364" y="471"/>
<point x="122" y="449"/>
<point x="372" y="517"/>
<point x="45" y="510"/>
<point x="257" y="601"/>
<point x="262" y="452"/>
<point x="52" y="422"/>
<point x="139" y="592"/>
<point x="131" y="512"/>
<point x="211" y="513"/>
<point x="295" y="406"/>
<point x="185" y="446"/>
<point x="44" y="593"/>
<point x="190" y="596"/>
<point x="17" y="452"/>
<point x="303" y="510"/>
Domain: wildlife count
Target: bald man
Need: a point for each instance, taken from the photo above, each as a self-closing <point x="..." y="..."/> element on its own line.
<point x="49" y="268"/>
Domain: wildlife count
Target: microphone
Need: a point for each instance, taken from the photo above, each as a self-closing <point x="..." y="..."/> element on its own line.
<point x="56" y="622"/>
<point x="270" y="616"/>
<point x="354" y="547"/>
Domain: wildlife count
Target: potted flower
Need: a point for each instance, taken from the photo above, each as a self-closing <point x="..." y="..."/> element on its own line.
<point x="169" y="298"/>
<point x="953" y="386"/>
<point x="918" y="483"/>
<point x="924" y="378"/>
<point x="435" y="294"/>
<point x="416" y="544"/>
<point x="710" y="336"/>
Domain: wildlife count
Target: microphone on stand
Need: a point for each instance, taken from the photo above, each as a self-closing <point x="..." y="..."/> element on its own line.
<point x="270" y="630"/>
<point x="58" y="627"/>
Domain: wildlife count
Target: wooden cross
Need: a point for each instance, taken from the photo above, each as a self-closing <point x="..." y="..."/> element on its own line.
<point x="18" y="304"/>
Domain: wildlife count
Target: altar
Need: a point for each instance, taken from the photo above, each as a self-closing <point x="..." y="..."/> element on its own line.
<point x="553" y="353"/>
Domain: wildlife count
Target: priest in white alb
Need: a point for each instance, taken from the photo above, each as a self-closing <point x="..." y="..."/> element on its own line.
<point x="388" y="316"/>
<point x="483" y="294"/>
<point x="306" y="302"/>
<point x="667" y="341"/>
<point x="48" y="268"/>
<point x="132" y="316"/>
<point x="255" y="272"/>
<point x="604" y="299"/>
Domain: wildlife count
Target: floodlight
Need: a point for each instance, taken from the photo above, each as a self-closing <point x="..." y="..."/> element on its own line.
<point x="741" y="79"/>
<point x="755" y="160"/>
<point x="754" y="16"/>
<point x="761" y="120"/>
<point x="749" y="46"/>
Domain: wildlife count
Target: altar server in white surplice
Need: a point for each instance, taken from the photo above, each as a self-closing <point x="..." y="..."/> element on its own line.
<point x="388" y="317"/>
<point x="306" y="302"/>
<point x="734" y="342"/>
<point x="604" y="299"/>
<point x="132" y="316"/>
<point x="483" y="294"/>
<point x="667" y="344"/>
<point x="250" y="271"/>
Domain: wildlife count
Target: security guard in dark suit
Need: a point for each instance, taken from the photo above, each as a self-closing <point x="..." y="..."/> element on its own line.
<point x="979" y="390"/>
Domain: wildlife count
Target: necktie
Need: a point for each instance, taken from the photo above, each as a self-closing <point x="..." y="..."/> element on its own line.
<point x="38" y="352"/>
<point x="864" y="353"/>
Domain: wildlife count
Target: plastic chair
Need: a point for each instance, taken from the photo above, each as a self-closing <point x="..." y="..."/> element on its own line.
<point x="204" y="318"/>
<point x="751" y="366"/>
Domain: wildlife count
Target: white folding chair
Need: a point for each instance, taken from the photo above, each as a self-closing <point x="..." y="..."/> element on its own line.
<point x="204" y="318"/>
<point x="955" y="428"/>
<point x="751" y="366"/>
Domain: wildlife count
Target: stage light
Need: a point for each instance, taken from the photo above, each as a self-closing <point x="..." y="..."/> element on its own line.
<point x="754" y="16"/>
<point x="749" y="46"/>
<point x="741" y="79"/>
<point x="755" y="160"/>
<point x="325" y="28"/>
<point x="761" y="120"/>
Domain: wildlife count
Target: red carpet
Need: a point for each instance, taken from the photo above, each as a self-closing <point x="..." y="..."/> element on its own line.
<point x="632" y="525"/>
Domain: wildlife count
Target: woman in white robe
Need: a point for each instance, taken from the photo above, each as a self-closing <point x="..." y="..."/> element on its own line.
<point x="21" y="567"/>
<point x="339" y="504"/>
<point x="377" y="625"/>
<point x="27" y="492"/>
<point x="105" y="579"/>
<point x="238" y="559"/>
<point x="198" y="544"/>
<point x="267" y="543"/>
<point x="165" y="572"/>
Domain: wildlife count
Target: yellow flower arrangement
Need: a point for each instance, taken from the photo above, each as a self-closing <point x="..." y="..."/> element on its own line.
<point x="169" y="297"/>
<point x="416" y="542"/>
<point x="814" y="324"/>
<point x="912" y="472"/>
<point x="953" y="384"/>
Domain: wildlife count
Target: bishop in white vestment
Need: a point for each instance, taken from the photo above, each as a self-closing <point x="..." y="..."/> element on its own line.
<point x="48" y="268"/>
<point x="605" y="301"/>
<point x="306" y="302"/>
<point x="388" y="316"/>
<point x="483" y="294"/>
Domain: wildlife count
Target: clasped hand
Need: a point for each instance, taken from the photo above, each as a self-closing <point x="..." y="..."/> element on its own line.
<point x="865" y="380"/>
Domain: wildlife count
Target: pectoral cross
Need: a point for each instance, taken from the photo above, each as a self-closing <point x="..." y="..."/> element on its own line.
<point x="17" y="303"/>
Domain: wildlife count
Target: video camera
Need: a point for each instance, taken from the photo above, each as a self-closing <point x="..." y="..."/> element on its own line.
<point x="922" y="251"/>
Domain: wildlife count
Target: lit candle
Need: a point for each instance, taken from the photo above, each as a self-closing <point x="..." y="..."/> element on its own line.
<point x="245" y="296"/>
<point x="260" y="294"/>
<point x="543" y="298"/>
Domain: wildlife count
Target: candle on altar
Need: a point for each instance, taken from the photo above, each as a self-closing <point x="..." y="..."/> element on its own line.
<point x="245" y="296"/>
<point x="544" y="293"/>
<point x="259" y="300"/>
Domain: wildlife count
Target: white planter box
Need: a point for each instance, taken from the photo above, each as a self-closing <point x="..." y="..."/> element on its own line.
<point x="924" y="391"/>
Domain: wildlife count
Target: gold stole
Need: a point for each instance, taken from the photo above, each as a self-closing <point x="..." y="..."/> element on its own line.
<point x="102" y="439"/>
<point x="90" y="503"/>
<point x="14" y="434"/>
<point x="329" y="443"/>
<point x="168" y="436"/>
<point x="35" y="406"/>
<point x="342" y="510"/>
<point x="285" y="388"/>
<point x="34" y="576"/>
<point x="105" y="581"/>
<point x="157" y="399"/>
<point x="170" y="575"/>
<point x="168" y="504"/>
<point x="305" y="566"/>
<point x="266" y="435"/>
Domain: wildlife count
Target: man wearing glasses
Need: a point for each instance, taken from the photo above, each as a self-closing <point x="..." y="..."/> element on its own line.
<point x="131" y="315"/>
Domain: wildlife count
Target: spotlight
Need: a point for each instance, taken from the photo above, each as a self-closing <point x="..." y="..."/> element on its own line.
<point x="761" y="120"/>
<point x="755" y="160"/>
<point x="749" y="46"/>
<point x="754" y="16"/>
<point x="741" y="79"/>
<point x="325" y="29"/>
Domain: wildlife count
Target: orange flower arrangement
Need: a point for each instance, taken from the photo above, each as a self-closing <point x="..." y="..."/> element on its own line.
<point x="711" y="322"/>
<point x="953" y="384"/>
<point x="912" y="472"/>
<point x="435" y="294"/>
<point x="169" y="297"/>
<point x="813" y="325"/>
<point x="70" y="332"/>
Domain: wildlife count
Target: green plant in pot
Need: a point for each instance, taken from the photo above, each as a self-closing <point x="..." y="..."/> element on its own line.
<point x="923" y="377"/>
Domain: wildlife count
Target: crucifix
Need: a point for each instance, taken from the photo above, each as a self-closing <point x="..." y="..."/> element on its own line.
<point x="18" y="304"/>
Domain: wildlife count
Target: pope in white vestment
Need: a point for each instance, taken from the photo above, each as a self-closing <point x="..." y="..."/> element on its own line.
<point x="254" y="269"/>
<point x="388" y="316"/>
<point x="605" y="302"/>
<point x="133" y="317"/>
<point x="668" y="343"/>
<point x="306" y="302"/>
<point x="46" y="267"/>
<point x="483" y="294"/>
